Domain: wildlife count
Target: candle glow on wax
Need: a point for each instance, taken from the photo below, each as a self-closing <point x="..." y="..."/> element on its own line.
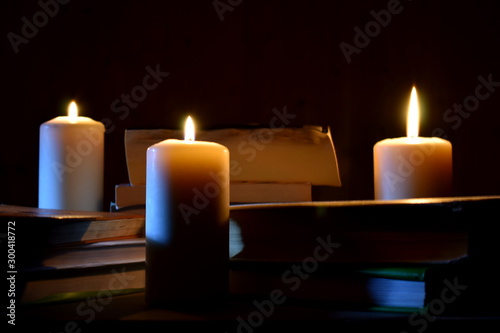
<point x="71" y="162"/>
<point x="412" y="166"/>
<point x="187" y="220"/>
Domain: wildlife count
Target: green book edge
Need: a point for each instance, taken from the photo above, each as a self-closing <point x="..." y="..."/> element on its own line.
<point x="413" y="273"/>
<point x="77" y="296"/>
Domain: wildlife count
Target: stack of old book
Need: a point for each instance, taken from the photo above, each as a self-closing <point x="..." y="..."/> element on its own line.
<point x="415" y="255"/>
<point x="57" y="251"/>
<point x="394" y="255"/>
<point x="432" y="254"/>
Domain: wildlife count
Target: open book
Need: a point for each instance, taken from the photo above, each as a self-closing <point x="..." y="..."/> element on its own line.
<point x="287" y="155"/>
<point x="266" y="165"/>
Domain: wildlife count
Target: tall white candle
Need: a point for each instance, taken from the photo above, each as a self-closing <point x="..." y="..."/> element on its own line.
<point x="187" y="221"/>
<point x="71" y="163"/>
<point x="412" y="166"/>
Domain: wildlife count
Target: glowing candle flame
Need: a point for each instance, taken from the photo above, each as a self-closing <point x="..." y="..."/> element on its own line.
<point x="412" y="120"/>
<point x="189" y="129"/>
<point x="72" y="111"/>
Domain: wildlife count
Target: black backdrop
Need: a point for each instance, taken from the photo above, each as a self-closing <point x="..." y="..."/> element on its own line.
<point x="233" y="64"/>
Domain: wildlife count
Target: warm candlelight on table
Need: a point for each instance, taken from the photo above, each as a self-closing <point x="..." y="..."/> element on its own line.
<point x="187" y="221"/>
<point x="412" y="166"/>
<point x="71" y="163"/>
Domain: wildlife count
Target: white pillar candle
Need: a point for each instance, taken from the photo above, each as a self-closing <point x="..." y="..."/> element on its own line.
<point x="71" y="163"/>
<point x="187" y="221"/>
<point x="412" y="166"/>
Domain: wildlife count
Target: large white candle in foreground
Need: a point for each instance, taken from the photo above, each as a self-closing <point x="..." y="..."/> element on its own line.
<point x="412" y="166"/>
<point x="187" y="221"/>
<point x="71" y="163"/>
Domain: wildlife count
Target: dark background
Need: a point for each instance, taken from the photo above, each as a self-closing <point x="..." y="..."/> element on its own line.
<point x="263" y="55"/>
